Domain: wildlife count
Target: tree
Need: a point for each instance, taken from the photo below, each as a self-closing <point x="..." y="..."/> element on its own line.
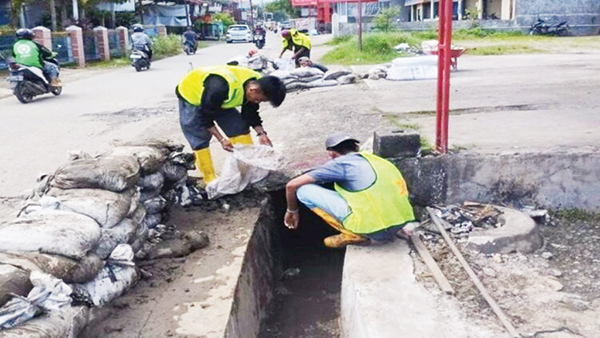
<point x="284" y="6"/>
<point x="385" y="21"/>
<point x="225" y="18"/>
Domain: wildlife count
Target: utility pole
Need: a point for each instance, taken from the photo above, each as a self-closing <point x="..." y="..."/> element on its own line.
<point x="360" y="26"/>
<point x="251" y="15"/>
<point x="140" y="12"/>
<point x="75" y="11"/>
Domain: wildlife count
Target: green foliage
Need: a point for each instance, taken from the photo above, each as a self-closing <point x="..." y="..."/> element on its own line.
<point x="225" y="18"/>
<point x="386" y="20"/>
<point x="166" y="46"/>
<point x="6" y="30"/>
<point x="477" y="33"/>
<point x="284" y="6"/>
<point x="503" y="50"/>
<point x="339" y="40"/>
<point x="573" y="215"/>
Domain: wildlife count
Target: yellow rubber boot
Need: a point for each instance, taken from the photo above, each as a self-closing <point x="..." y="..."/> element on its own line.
<point x="338" y="241"/>
<point x="242" y="139"/>
<point x="205" y="165"/>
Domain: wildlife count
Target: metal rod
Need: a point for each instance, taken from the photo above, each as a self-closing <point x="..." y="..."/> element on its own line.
<point x="438" y="275"/>
<point x="497" y="310"/>
<point x="360" y="26"/>
<point x="444" y="63"/>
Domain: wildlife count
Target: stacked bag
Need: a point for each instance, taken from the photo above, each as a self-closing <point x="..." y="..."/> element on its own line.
<point x="308" y="77"/>
<point x="83" y="228"/>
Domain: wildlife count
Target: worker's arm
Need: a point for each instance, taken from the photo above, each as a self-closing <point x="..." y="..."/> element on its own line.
<point x="292" y="216"/>
<point x="250" y="115"/>
<point x="299" y="53"/>
<point x="216" y="91"/>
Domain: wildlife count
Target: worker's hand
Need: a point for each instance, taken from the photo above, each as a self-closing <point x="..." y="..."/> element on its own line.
<point x="265" y="140"/>
<point x="226" y="144"/>
<point x="291" y="220"/>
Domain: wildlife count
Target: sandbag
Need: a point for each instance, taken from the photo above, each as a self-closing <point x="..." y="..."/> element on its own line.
<point x="51" y="231"/>
<point x="67" y="323"/>
<point x="152" y="182"/>
<point x="110" y="173"/>
<point x="149" y="158"/>
<point x="155" y="205"/>
<point x="116" y="277"/>
<point x="139" y="215"/>
<point x="13" y="280"/>
<point x="335" y="74"/>
<point x="152" y="220"/>
<point x="106" y="207"/>
<point x="111" y="238"/>
<point x="306" y="72"/>
<point x="309" y="78"/>
<point x="148" y="195"/>
<point x="173" y="172"/>
<point x="296" y="86"/>
<point x="135" y="203"/>
<point x="49" y="294"/>
<point x="165" y="146"/>
<point x="246" y="165"/>
<point x="321" y="83"/>
<point x="282" y="74"/>
<point x="347" y="79"/>
<point x="69" y="270"/>
<point x="285" y="64"/>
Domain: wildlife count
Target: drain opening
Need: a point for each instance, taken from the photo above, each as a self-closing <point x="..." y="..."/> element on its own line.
<point x="306" y="299"/>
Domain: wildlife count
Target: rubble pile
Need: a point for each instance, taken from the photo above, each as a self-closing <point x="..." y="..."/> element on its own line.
<point x="461" y="219"/>
<point x="78" y="234"/>
<point x="308" y="77"/>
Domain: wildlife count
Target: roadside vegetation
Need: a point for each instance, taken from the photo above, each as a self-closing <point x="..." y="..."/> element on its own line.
<point x="379" y="47"/>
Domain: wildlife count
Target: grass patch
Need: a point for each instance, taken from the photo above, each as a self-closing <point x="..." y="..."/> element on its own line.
<point x="573" y="215"/>
<point x="165" y="46"/>
<point x="379" y="47"/>
<point x="112" y="63"/>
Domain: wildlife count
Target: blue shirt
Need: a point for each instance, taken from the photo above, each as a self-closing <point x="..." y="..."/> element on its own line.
<point x="351" y="171"/>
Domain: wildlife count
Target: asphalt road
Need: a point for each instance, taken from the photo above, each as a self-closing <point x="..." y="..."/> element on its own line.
<point x="116" y="104"/>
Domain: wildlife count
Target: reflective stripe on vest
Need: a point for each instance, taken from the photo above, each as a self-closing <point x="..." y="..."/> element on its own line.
<point x="298" y="39"/>
<point x="191" y="86"/>
<point x="382" y="205"/>
<point x="27" y="53"/>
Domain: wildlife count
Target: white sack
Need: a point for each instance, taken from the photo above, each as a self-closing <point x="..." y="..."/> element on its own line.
<point x="246" y="165"/>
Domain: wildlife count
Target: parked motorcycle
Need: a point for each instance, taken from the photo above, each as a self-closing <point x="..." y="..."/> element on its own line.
<point x="139" y="59"/>
<point x="189" y="48"/>
<point x="259" y="40"/>
<point x="28" y="82"/>
<point x="541" y="27"/>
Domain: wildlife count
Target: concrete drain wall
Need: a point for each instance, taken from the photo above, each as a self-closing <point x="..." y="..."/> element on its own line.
<point x="289" y="285"/>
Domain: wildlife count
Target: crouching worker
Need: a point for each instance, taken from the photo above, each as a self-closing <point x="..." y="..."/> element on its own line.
<point x="370" y="201"/>
<point x="212" y="94"/>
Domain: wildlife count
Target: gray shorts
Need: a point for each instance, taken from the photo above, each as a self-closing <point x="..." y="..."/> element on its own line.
<point x="194" y="127"/>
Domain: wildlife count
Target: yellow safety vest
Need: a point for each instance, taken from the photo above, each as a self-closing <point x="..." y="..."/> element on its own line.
<point x="382" y="205"/>
<point x="298" y="39"/>
<point x="191" y="86"/>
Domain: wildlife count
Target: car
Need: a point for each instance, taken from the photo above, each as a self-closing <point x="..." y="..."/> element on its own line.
<point x="287" y="25"/>
<point x="239" y="33"/>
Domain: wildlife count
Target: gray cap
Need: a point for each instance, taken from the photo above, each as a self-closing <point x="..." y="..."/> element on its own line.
<point x="337" y="138"/>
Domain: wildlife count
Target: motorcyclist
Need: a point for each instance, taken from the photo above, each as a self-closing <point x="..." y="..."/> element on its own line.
<point x="141" y="41"/>
<point x="259" y="30"/>
<point x="30" y="53"/>
<point x="190" y="37"/>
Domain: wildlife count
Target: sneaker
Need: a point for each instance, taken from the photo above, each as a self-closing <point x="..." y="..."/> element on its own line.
<point x="341" y="240"/>
<point x="56" y="83"/>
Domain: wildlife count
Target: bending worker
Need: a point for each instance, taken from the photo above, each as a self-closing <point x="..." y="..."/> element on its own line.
<point x="296" y="41"/>
<point x="370" y="201"/>
<point x="211" y="94"/>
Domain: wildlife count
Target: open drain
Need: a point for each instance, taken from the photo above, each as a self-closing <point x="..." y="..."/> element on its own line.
<point x="307" y="292"/>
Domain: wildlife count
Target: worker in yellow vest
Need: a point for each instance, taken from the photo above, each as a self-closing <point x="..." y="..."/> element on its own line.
<point x="212" y="94"/>
<point x="296" y="41"/>
<point x="370" y="200"/>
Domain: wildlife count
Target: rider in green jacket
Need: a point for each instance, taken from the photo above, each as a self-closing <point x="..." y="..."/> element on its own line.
<point x="30" y="53"/>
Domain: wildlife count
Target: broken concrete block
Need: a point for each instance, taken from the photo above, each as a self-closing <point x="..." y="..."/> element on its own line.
<point x="390" y="143"/>
<point x="518" y="233"/>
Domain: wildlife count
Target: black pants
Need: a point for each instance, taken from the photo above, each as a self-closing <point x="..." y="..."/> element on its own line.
<point x="305" y="52"/>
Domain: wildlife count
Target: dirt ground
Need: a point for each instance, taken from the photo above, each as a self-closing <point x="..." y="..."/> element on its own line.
<point x="553" y="292"/>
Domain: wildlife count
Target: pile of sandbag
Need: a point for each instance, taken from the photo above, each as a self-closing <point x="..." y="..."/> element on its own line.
<point x="308" y="77"/>
<point x="85" y="224"/>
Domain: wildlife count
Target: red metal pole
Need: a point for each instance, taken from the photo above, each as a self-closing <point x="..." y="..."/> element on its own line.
<point x="444" y="62"/>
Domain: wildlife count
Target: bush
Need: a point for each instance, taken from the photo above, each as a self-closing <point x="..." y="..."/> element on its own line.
<point x="225" y="18"/>
<point x="166" y="46"/>
<point x="385" y="21"/>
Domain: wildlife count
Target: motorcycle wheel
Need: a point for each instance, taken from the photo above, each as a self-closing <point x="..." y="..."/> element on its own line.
<point x="137" y="66"/>
<point x="563" y="32"/>
<point x="56" y="90"/>
<point x="188" y="51"/>
<point x="21" y="94"/>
